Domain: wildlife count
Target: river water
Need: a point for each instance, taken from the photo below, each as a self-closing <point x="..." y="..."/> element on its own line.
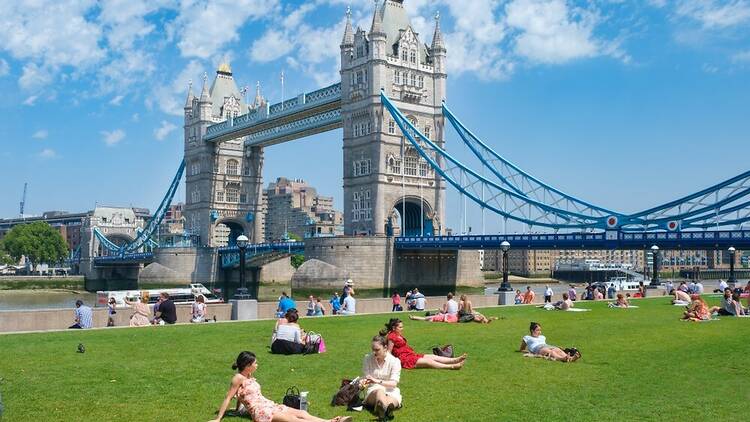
<point x="43" y="299"/>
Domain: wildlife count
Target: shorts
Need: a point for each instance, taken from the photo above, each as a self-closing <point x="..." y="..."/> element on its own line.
<point x="724" y="312"/>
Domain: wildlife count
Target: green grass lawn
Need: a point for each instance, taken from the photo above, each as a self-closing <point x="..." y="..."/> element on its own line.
<point x="638" y="364"/>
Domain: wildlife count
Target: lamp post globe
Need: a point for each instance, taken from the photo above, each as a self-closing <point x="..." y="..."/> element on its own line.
<point x="242" y="292"/>
<point x="732" y="280"/>
<point x="505" y="285"/>
<point x="655" y="282"/>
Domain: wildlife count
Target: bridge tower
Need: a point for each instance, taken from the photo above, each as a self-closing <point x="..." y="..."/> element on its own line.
<point x="388" y="187"/>
<point x="223" y="181"/>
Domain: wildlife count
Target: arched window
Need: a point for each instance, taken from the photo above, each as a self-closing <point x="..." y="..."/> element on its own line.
<point x="411" y="162"/>
<point x="427" y="132"/>
<point x="233" y="168"/>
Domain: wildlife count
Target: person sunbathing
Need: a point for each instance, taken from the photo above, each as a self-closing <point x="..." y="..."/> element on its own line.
<point x="247" y="390"/>
<point x="680" y="297"/>
<point x="465" y="308"/>
<point x="564" y="304"/>
<point x="448" y="313"/>
<point x="536" y="344"/>
<point x="620" y="302"/>
<point x="399" y="348"/>
<point x="698" y="310"/>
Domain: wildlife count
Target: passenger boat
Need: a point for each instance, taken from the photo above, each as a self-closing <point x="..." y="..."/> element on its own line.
<point x="178" y="295"/>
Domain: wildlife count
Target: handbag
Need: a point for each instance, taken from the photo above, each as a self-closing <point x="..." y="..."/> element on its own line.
<point x="348" y="393"/>
<point x="312" y="343"/>
<point x="292" y="398"/>
<point x="445" y="351"/>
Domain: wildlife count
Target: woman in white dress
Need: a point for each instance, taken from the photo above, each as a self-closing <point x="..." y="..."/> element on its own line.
<point x="381" y="372"/>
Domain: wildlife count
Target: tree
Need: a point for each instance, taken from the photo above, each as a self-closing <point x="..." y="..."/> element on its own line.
<point x="37" y="241"/>
<point x="297" y="260"/>
<point x="5" y="258"/>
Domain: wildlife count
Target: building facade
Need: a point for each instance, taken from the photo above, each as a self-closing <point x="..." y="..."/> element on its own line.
<point x="388" y="187"/>
<point x="292" y="207"/>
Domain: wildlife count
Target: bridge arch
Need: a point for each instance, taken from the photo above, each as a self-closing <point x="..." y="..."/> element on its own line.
<point x="411" y="216"/>
<point x="118" y="239"/>
<point x="227" y="230"/>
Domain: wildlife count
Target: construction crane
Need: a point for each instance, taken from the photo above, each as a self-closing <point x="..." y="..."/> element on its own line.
<point x="23" y="198"/>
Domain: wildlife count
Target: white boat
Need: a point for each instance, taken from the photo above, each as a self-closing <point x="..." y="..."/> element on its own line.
<point x="622" y="283"/>
<point x="178" y="295"/>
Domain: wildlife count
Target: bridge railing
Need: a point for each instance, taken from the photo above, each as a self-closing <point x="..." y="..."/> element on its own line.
<point x="131" y="257"/>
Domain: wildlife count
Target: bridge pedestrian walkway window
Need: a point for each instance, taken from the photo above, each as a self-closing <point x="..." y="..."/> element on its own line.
<point x="391" y="127"/>
<point x="233" y="168"/>
<point x="233" y="195"/>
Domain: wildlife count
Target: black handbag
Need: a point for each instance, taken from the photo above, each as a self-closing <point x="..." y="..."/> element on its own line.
<point x="445" y="351"/>
<point x="292" y="398"/>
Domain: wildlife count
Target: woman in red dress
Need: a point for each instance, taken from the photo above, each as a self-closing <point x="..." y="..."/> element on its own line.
<point x="409" y="359"/>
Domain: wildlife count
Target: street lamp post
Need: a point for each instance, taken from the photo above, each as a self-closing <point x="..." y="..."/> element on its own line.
<point x="241" y="292"/>
<point x="731" y="280"/>
<point x="505" y="285"/>
<point x="655" y="276"/>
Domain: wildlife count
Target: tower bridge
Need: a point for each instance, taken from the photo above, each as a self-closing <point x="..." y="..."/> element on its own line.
<point x="390" y="105"/>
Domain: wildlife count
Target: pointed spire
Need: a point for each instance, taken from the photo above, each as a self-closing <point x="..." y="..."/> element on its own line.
<point x="259" y="100"/>
<point x="348" y="31"/>
<point x="190" y="96"/>
<point x="377" y="21"/>
<point x="437" y="37"/>
<point x="204" y="91"/>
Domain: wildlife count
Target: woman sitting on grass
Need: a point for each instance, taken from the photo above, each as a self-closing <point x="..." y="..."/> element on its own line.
<point x="288" y="338"/>
<point x="140" y="317"/>
<point x="680" y="297"/>
<point x="399" y="348"/>
<point x="536" y="344"/>
<point x="247" y="390"/>
<point x="621" y="302"/>
<point x="448" y="313"/>
<point x="465" y="308"/>
<point x="698" y="310"/>
<point x="381" y="372"/>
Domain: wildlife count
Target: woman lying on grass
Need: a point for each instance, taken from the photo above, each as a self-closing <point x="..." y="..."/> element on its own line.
<point x="247" y="390"/>
<point x="409" y="359"/>
<point x="448" y="313"/>
<point x="536" y="344"/>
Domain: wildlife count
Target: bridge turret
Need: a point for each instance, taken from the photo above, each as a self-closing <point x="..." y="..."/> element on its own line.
<point x="438" y="53"/>
<point x="189" y="103"/>
<point x="204" y="103"/>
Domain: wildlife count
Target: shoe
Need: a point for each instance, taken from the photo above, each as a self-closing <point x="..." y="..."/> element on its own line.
<point x="389" y="412"/>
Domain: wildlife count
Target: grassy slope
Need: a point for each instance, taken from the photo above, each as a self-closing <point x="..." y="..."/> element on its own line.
<point x="638" y="364"/>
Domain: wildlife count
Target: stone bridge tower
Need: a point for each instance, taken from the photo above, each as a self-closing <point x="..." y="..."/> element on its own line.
<point x="388" y="187"/>
<point x="223" y="181"/>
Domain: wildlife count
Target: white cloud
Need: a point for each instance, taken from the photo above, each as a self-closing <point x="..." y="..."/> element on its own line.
<point x="47" y="153"/>
<point x="271" y="46"/>
<point x="112" y="138"/>
<point x="709" y="68"/>
<point x="4" y="68"/>
<point x="170" y="97"/>
<point x="164" y="130"/>
<point x="40" y="134"/>
<point x="135" y="117"/>
<point x="125" y="20"/>
<point x="34" y="77"/>
<point x="741" y="57"/>
<point x="31" y="100"/>
<point x="116" y="101"/>
<point x="550" y="32"/>
<point x="713" y="14"/>
<point x="205" y="27"/>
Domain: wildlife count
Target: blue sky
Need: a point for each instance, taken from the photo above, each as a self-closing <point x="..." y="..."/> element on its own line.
<point x="626" y="104"/>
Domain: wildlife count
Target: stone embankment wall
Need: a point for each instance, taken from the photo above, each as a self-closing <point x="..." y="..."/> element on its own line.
<point x="55" y="319"/>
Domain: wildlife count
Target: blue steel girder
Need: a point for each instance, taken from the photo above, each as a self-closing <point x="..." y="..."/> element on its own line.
<point x="503" y="201"/>
<point x="303" y="108"/>
<point x="230" y="255"/>
<point x="716" y="206"/>
<point x="129" y="258"/>
<point x="518" y="180"/>
<point x="687" y="240"/>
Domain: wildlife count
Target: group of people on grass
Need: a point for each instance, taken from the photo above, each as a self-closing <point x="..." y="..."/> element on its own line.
<point x="164" y="311"/>
<point x="731" y="305"/>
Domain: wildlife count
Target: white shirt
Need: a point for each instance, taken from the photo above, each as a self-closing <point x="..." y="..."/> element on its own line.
<point x="534" y="344"/>
<point x="389" y="371"/>
<point x="723" y="285"/>
<point x="548" y="292"/>
<point x="350" y="305"/>
<point x="420" y="303"/>
<point x="699" y="287"/>
<point x="452" y="307"/>
<point x="289" y="332"/>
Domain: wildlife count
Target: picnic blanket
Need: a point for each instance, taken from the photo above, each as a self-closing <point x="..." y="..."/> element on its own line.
<point x="578" y="310"/>
<point x="681" y="303"/>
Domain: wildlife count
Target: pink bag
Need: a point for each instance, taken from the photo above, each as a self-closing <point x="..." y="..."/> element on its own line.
<point x="322" y="345"/>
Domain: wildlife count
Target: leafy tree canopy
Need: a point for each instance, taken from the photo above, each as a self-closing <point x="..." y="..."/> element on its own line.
<point x="37" y="241"/>
<point x="297" y="260"/>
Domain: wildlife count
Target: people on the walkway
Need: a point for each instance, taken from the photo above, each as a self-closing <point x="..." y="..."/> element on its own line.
<point x="140" y="317"/>
<point x="335" y="303"/>
<point x="167" y="313"/>
<point x="245" y="387"/>
<point x="447" y="313"/>
<point x="409" y="300"/>
<point x="83" y="315"/>
<point x="536" y="344"/>
<point x="111" y="311"/>
<point x="198" y="313"/>
<point x="641" y="289"/>
<point x="611" y="291"/>
<point x="349" y="307"/>
<point x="547" y="294"/>
<point x="572" y="294"/>
<point x="669" y="286"/>
<point x="319" y="310"/>
<point x="399" y="348"/>
<point x="381" y="373"/>
<point x="598" y="295"/>
<point x="465" y="308"/>
<point x="396" y="301"/>
<point x="310" y="305"/>
<point x="529" y="296"/>
<point x="519" y="298"/>
<point x="285" y="303"/>
<point x="288" y="338"/>
<point x="723" y="285"/>
<point x="347" y="290"/>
